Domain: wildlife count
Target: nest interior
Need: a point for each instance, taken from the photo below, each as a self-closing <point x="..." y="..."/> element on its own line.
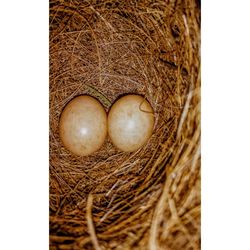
<point x="148" y="199"/>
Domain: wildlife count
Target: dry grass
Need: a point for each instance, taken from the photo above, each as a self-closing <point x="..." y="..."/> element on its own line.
<point x="149" y="199"/>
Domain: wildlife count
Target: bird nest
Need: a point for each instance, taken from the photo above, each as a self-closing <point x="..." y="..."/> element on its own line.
<point x="148" y="199"/>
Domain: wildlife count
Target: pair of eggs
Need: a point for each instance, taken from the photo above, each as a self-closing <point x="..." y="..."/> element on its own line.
<point x="84" y="124"/>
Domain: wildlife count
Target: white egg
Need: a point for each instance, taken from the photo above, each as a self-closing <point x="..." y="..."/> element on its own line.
<point x="130" y="122"/>
<point x="83" y="125"/>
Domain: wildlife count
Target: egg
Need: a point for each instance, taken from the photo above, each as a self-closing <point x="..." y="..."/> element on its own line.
<point x="83" y="125"/>
<point x="130" y="122"/>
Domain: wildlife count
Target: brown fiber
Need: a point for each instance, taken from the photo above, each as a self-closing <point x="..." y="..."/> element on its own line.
<point x="148" y="199"/>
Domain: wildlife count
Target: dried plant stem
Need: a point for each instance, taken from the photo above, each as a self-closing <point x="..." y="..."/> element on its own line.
<point x="91" y="227"/>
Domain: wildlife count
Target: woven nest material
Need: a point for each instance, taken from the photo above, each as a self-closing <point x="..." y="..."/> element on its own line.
<point x="148" y="199"/>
